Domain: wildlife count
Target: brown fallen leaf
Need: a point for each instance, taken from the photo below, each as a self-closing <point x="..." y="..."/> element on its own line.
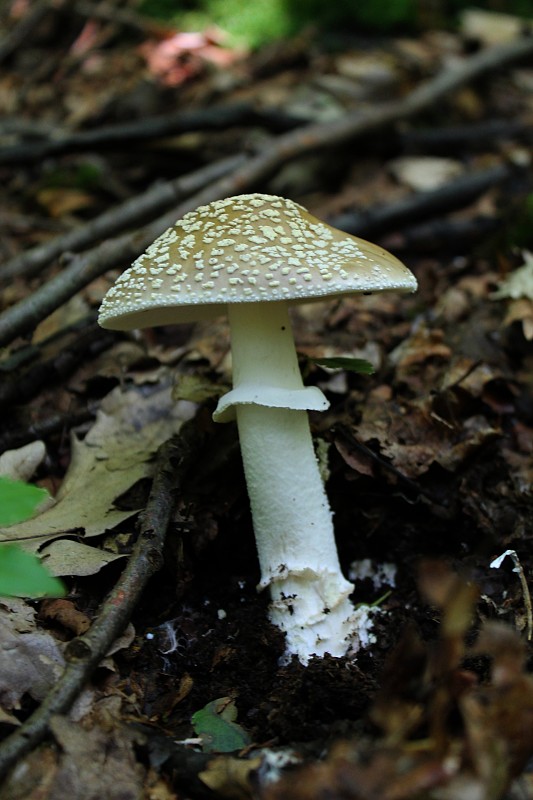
<point x="230" y="776"/>
<point x="66" y="613"/>
<point x="59" y="202"/>
<point x="94" y="763"/>
<point x="521" y="311"/>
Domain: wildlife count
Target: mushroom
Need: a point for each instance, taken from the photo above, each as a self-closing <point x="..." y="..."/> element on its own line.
<point x="252" y="256"/>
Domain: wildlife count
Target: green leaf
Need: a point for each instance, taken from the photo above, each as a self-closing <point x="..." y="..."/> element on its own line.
<point x="18" y="500"/>
<point x="349" y="364"/>
<point x="215" y="725"/>
<point x="23" y="575"/>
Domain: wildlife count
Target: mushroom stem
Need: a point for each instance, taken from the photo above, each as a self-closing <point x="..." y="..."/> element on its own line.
<point x="291" y="514"/>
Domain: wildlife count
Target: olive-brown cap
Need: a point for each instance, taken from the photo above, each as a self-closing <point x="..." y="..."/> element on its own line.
<point x="251" y="248"/>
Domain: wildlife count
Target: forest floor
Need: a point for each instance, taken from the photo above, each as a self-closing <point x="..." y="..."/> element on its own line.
<point x="113" y="127"/>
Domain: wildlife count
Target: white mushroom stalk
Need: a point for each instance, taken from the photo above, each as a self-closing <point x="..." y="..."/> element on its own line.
<point x="251" y="256"/>
<point x="291" y="514"/>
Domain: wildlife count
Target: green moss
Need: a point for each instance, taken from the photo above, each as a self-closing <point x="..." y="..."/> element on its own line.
<point x="83" y="176"/>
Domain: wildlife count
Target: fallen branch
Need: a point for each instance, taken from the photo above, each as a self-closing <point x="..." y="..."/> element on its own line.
<point x="487" y="134"/>
<point x="25" y="315"/>
<point x="446" y="236"/>
<point x="43" y="429"/>
<point x="324" y="135"/>
<point x="26" y="128"/>
<point x="84" y="653"/>
<point x="72" y="347"/>
<point x="421" y="206"/>
<point x="212" y="118"/>
<point x="141" y="208"/>
<point x="21" y="318"/>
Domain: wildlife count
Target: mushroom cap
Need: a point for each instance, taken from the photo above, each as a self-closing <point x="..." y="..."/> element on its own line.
<point x="252" y="248"/>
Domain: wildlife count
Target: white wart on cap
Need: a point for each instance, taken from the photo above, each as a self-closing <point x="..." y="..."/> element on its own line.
<point x="246" y="249"/>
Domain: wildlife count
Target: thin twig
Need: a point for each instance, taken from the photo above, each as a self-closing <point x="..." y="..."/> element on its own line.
<point x="354" y="125"/>
<point x="218" y="117"/>
<point x="140" y="208"/>
<point x="57" y="424"/>
<point x="21" y="318"/>
<point x="78" y="345"/>
<point x="422" y="205"/>
<point x="487" y="134"/>
<point x="446" y="236"/>
<point x="25" y="315"/>
<point x="84" y="653"/>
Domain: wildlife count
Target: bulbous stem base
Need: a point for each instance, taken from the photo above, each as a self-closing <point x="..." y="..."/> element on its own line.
<point x="291" y="514"/>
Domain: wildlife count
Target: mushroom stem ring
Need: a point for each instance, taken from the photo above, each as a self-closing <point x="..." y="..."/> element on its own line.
<point x="291" y="514"/>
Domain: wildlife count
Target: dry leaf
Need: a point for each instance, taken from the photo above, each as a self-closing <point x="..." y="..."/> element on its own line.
<point x="66" y="614"/>
<point x="491" y="27"/>
<point x="68" y="557"/>
<point x="519" y="283"/>
<point x="95" y="763"/>
<point x="423" y="173"/>
<point x="115" y="454"/>
<point x="21" y="464"/>
<point x="230" y="776"/>
<point x="59" y="202"/>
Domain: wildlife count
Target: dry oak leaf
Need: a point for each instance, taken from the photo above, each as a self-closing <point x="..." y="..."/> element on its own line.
<point x="116" y="453"/>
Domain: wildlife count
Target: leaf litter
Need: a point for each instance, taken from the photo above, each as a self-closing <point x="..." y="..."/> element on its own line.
<point x="430" y="456"/>
<point x="443" y="734"/>
<point x="115" y="454"/>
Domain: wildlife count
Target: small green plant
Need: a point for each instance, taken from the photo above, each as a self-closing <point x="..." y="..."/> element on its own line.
<point x="359" y="365"/>
<point x="18" y="500"/>
<point x="263" y="21"/>
<point x="21" y="573"/>
<point x="84" y="176"/>
<point x="215" y="725"/>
